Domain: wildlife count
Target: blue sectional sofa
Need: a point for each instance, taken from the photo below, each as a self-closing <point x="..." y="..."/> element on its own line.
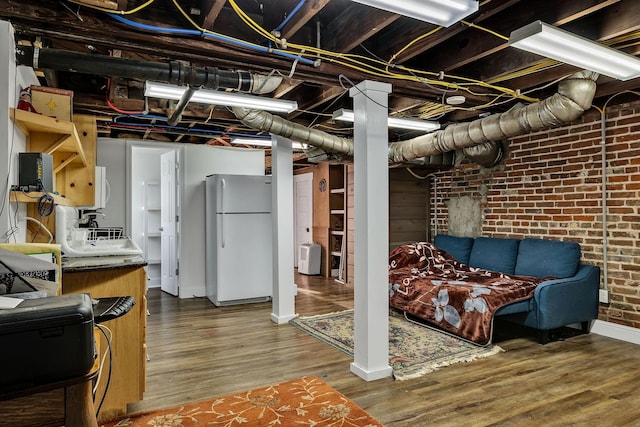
<point x="571" y="297"/>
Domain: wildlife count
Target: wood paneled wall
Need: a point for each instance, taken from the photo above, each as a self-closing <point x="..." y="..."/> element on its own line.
<point x="408" y="211"/>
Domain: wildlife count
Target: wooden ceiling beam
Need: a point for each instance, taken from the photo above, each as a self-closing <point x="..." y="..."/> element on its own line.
<point x="355" y="25"/>
<point x="322" y="96"/>
<point x="308" y="11"/>
<point x="411" y="32"/>
<point x="621" y="19"/>
<point x="474" y="44"/>
<point x="210" y="12"/>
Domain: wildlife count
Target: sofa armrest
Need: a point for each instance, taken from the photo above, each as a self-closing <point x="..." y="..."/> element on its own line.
<point x="574" y="299"/>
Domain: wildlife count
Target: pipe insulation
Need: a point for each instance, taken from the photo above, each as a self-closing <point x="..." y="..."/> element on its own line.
<point x="574" y="96"/>
<point x="174" y="72"/>
<point x="264" y="121"/>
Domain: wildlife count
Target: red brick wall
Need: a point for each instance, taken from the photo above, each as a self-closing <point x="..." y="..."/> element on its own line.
<point x="551" y="187"/>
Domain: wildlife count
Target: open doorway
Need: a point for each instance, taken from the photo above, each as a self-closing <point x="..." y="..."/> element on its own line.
<point x="154" y="212"/>
<point x="303" y="211"/>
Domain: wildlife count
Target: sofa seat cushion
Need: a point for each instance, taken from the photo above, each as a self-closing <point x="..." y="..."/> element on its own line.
<point x="496" y="254"/>
<point x="547" y="258"/>
<point x="457" y="247"/>
<point x="516" y="307"/>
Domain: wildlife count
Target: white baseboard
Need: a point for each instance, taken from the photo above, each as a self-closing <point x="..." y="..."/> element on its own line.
<point x="614" y="330"/>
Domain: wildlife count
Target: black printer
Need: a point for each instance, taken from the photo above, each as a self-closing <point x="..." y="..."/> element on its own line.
<point x="46" y="339"/>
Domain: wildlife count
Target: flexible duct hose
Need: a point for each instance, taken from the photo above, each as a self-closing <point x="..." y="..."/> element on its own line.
<point x="574" y="96"/>
<point x="268" y="122"/>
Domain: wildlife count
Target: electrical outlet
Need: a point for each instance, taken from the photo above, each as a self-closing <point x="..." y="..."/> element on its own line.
<point x="604" y="296"/>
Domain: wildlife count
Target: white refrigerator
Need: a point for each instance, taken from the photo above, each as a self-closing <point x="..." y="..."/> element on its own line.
<point x="238" y="246"/>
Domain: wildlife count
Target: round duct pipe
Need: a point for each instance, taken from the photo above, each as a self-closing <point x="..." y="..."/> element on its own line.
<point x="574" y="96"/>
<point x="175" y="72"/>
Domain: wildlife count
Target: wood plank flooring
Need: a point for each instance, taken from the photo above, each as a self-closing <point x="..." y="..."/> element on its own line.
<point x="198" y="351"/>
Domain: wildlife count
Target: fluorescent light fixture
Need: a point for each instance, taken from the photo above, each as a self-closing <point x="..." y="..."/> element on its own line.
<point x="265" y="142"/>
<point x="563" y="46"/>
<point x="439" y="12"/>
<point x="206" y="96"/>
<point x="393" y="122"/>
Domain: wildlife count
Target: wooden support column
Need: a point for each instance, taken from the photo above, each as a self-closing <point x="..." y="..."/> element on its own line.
<point x="284" y="287"/>
<point x="371" y="195"/>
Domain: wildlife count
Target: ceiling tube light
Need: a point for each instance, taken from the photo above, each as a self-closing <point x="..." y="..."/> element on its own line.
<point x="563" y="46"/>
<point x="206" y="96"/>
<point x="439" y="12"/>
<point x="265" y="142"/>
<point x="392" y="122"/>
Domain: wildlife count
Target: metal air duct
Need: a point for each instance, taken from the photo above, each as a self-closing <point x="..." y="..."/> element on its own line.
<point x="574" y="96"/>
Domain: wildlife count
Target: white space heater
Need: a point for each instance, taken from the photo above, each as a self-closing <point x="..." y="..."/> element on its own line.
<point x="309" y="258"/>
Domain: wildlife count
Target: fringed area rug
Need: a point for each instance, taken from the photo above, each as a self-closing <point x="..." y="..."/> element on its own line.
<point x="307" y="401"/>
<point x="414" y="350"/>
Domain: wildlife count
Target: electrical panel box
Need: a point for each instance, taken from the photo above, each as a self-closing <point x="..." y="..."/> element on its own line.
<point x="35" y="172"/>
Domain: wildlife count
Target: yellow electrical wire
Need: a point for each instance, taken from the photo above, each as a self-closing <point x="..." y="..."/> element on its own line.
<point x="367" y="65"/>
<point x="360" y="66"/>
<point x="411" y="43"/>
<point x="472" y="25"/>
<point x="251" y="23"/>
<point x="539" y="66"/>
<point x="205" y="31"/>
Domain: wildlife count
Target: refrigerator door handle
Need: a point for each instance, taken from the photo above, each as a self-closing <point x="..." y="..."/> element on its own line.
<point x="222" y="185"/>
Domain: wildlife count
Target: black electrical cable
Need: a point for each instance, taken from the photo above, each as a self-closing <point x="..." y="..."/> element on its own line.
<point x="46" y="203"/>
<point x="106" y="387"/>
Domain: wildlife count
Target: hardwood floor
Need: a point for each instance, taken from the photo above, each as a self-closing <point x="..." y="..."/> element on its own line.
<point x="197" y="351"/>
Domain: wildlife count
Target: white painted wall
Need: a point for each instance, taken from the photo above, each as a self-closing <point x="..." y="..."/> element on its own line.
<point x="200" y="161"/>
<point x="196" y="162"/>
<point x="145" y="167"/>
<point x="12" y="139"/>
<point x="112" y="154"/>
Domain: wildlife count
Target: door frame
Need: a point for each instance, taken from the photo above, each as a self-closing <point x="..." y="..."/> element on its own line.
<point x="132" y="203"/>
<point x="301" y="178"/>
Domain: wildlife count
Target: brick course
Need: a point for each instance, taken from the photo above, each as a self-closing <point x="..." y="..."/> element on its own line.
<point x="550" y="187"/>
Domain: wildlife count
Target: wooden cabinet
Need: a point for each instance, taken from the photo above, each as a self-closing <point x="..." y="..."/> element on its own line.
<point x="128" y="344"/>
<point x="329" y="217"/>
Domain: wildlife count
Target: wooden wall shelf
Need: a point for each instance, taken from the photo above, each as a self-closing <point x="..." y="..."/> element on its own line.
<point x="32" y="197"/>
<point x="52" y="136"/>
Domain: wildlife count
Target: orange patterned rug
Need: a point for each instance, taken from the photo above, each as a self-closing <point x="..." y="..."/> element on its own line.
<point x="307" y="401"/>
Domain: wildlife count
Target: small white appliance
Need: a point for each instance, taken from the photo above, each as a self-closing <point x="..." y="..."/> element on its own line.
<point x="309" y="258"/>
<point x="238" y="249"/>
<point x="89" y="242"/>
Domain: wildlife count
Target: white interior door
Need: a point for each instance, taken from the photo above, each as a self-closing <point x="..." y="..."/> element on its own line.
<point x="168" y="224"/>
<point x="303" y="219"/>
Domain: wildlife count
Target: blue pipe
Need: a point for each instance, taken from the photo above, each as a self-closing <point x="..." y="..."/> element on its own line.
<point x="210" y="35"/>
<point x="293" y="12"/>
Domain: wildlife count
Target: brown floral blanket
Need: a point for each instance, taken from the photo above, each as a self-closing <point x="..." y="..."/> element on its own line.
<point x="427" y="282"/>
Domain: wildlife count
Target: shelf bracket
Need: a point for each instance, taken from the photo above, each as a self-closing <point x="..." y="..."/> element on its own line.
<point x="64" y="164"/>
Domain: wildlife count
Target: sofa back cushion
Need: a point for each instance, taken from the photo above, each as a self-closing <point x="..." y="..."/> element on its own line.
<point x="493" y="253"/>
<point x="548" y="258"/>
<point x="457" y="247"/>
